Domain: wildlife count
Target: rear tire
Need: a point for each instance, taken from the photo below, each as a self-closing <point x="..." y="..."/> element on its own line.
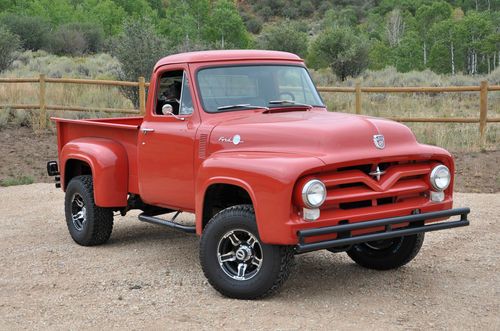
<point x="88" y="224"/>
<point x="236" y="262"/>
<point x="387" y="254"/>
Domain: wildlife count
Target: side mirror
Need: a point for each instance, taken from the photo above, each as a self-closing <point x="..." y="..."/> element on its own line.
<point x="167" y="109"/>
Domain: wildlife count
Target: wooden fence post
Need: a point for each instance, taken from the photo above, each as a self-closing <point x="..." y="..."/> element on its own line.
<point x="142" y="96"/>
<point x="43" y="110"/>
<point x="358" y="98"/>
<point x="483" y="112"/>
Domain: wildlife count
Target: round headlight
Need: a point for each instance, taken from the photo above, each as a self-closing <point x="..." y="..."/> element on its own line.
<point x="314" y="193"/>
<point x="440" y="177"/>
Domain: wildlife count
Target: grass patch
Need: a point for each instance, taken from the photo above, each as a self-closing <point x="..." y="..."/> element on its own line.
<point x="13" y="181"/>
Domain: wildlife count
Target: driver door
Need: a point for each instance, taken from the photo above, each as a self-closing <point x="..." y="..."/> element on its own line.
<point x="166" y="147"/>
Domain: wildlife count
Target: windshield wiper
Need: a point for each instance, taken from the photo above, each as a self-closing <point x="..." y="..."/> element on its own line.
<point x="287" y="103"/>
<point x="240" y="106"/>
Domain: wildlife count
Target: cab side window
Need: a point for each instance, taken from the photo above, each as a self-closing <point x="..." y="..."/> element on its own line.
<point x="186" y="104"/>
<point x="169" y="93"/>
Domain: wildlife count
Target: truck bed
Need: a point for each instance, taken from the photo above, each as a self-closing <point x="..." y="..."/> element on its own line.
<point x="122" y="130"/>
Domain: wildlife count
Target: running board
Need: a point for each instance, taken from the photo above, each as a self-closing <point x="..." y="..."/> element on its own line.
<point x="167" y="223"/>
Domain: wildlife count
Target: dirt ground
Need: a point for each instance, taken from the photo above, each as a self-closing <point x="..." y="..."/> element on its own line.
<point x="149" y="277"/>
<point x="25" y="153"/>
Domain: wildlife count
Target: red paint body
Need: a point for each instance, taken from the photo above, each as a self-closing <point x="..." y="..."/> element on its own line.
<point x="173" y="166"/>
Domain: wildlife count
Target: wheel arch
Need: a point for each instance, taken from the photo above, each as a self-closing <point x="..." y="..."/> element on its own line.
<point x="232" y="191"/>
<point x="76" y="167"/>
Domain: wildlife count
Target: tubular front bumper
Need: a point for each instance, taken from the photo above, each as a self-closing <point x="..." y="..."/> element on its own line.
<point x="416" y="225"/>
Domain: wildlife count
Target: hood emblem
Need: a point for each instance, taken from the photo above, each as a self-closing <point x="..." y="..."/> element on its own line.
<point x="377" y="173"/>
<point x="379" y="141"/>
<point x="236" y="139"/>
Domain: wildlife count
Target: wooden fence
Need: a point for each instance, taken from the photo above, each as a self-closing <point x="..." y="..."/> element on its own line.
<point x="358" y="90"/>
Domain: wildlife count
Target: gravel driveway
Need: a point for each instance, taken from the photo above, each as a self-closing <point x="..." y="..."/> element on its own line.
<point x="149" y="277"/>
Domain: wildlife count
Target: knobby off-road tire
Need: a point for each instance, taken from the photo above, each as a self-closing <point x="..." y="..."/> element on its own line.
<point x="387" y="254"/>
<point x="231" y="240"/>
<point x="88" y="224"/>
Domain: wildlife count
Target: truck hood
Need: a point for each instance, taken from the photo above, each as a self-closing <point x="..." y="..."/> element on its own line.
<point x="331" y="137"/>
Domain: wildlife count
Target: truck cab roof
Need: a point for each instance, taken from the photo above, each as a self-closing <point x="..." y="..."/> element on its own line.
<point x="227" y="55"/>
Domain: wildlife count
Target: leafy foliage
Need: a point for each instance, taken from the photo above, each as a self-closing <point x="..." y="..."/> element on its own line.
<point x="32" y="30"/>
<point x="216" y="23"/>
<point x="342" y="50"/>
<point x="76" y="39"/>
<point x="138" y="48"/>
<point x="9" y="45"/>
<point x="447" y="36"/>
<point x="286" y="37"/>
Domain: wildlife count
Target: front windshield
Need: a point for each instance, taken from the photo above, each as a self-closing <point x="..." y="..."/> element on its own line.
<point x="254" y="86"/>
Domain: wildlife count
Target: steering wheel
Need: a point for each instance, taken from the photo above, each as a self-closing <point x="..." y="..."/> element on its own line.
<point x="290" y="94"/>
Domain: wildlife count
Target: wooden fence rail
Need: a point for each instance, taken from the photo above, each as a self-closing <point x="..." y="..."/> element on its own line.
<point x="141" y="84"/>
<point x="483" y="90"/>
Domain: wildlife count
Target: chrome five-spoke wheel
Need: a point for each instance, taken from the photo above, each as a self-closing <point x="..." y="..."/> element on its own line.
<point x="235" y="260"/>
<point x="87" y="223"/>
<point x="78" y="212"/>
<point x="240" y="254"/>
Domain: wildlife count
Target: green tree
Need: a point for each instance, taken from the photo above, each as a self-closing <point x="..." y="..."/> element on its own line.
<point x="5" y="5"/>
<point x="32" y="30"/>
<point x="186" y="21"/>
<point x="136" y="8"/>
<point x="138" y="48"/>
<point x="344" y="51"/>
<point x="380" y="55"/>
<point x="339" y="17"/>
<point x="407" y="54"/>
<point x="225" y="26"/>
<point x="9" y="45"/>
<point x="446" y="46"/>
<point x="67" y="40"/>
<point x="426" y="16"/>
<point x="473" y="29"/>
<point x="105" y="13"/>
<point x="55" y="11"/>
<point x="373" y="26"/>
<point x="285" y="37"/>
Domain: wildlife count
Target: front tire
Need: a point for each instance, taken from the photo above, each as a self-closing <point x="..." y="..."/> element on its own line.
<point x="88" y="224"/>
<point x="236" y="262"/>
<point x="387" y="254"/>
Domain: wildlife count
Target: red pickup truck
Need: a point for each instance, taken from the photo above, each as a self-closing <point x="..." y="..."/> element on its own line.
<point x="243" y="140"/>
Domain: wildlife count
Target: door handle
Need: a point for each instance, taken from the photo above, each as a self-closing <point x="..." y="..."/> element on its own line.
<point x="146" y="130"/>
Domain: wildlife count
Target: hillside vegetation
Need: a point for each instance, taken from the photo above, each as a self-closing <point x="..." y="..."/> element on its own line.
<point x="347" y="36"/>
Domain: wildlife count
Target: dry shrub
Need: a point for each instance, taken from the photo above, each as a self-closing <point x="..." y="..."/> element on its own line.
<point x="4" y="117"/>
<point x="21" y="117"/>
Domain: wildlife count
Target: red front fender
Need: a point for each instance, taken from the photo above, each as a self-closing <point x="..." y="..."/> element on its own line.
<point x="268" y="178"/>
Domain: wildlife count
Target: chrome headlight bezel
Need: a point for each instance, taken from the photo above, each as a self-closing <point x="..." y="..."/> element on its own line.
<point x="307" y="190"/>
<point x="437" y="170"/>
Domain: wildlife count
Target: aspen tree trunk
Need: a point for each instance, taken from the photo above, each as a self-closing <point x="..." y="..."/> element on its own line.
<point x="452" y="59"/>
<point x="475" y="62"/>
<point x="425" y="53"/>
<point x="469" y="62"/>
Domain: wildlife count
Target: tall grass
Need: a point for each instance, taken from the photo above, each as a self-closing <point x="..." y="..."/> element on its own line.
<point x="458" y="137"/>
<point x="31" y="64"/>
